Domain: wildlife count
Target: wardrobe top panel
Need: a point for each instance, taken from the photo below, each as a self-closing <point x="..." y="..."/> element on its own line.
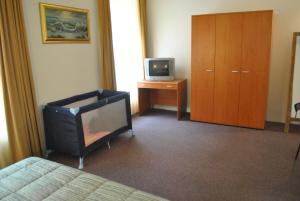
<point x="241" y="12"/>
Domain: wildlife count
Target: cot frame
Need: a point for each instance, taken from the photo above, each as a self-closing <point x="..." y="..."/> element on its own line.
<point x="60" y="137"/>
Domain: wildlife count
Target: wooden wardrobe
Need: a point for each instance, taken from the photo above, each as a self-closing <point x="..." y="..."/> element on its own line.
<point x="230" y="68"/>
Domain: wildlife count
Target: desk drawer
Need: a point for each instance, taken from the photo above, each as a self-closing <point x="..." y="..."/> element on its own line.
<point x="168" y="86"/>
<point x="149" y="85"/>
<point x="158" y="85"/>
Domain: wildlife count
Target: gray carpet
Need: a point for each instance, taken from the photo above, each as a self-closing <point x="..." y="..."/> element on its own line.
<point x="191" y="161"/>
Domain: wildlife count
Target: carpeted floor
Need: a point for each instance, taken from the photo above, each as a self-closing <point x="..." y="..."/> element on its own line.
<point x="191" y="161"/>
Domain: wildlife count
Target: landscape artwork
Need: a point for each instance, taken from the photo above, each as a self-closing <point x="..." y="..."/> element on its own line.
<point x="62" y="24"/>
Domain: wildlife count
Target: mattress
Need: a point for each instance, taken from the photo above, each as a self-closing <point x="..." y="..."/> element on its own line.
<point x="35" y="179"/>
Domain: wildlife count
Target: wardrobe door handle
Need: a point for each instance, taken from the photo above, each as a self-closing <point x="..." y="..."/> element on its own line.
<point x="209" y="70"/>
<point x="235" y="71"/>
<point x="245" y="71"/>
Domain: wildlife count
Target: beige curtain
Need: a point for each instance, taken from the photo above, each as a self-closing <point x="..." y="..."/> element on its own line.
<point x="108" y="77"/>
<point x="142" y="12"/>
<point x="18" y="89"/>
<point x="142" y="5"/>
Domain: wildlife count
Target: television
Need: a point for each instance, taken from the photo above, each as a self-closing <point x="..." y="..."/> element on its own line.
<point x="159" y="69"/>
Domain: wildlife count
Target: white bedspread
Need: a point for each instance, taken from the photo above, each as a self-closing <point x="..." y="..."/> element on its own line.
<point x="35" y="179"/>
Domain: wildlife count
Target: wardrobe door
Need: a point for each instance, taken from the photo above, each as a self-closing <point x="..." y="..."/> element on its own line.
<point x="257" y="28"/>
<point x="227" y="71"/>
<point x="203" y="66"/>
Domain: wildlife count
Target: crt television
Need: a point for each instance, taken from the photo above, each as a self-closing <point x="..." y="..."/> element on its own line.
<point x="159" y="69"/>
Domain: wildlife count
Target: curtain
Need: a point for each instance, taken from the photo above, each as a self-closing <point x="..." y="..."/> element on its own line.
<point x="142" y="11"/>
<point x="106" y="46"/>
<point x="18" y="89"/>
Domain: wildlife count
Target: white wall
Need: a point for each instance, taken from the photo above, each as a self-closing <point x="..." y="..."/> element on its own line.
<point x="62" y="70"/>
<point x="169" y="26"/>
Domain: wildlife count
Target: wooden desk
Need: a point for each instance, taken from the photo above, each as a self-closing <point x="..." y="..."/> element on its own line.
<point x="172" y="93"/>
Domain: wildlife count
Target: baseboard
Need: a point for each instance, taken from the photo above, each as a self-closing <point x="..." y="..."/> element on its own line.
<point x="171" y="108"/>
<point x="270" y="125"/>
<point x="274" y="126"/>
<point x="164" y="107"/>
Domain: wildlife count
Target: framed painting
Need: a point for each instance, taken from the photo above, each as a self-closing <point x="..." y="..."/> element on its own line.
<point x="61" y="24"/>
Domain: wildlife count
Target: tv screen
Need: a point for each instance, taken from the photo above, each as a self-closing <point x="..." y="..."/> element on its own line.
<point x="159" y="68"/>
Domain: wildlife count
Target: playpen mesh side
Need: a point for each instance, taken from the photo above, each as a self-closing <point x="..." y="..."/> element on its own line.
<point x="104" y="120"/>
<point x="78" y="104"/>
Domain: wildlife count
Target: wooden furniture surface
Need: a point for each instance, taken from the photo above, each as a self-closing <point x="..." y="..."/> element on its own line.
<point x="228" y="62"/>
<point x="257" y="29"/>
<point x="171" y="93"/>
<point x="203" y="62"/>
<point x="235" y="49"/>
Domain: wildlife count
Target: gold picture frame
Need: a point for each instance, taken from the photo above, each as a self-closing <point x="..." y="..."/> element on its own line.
<point x="62" y="24"/>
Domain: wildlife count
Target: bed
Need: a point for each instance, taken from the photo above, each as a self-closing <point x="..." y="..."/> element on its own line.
<point x="35" y="179"/>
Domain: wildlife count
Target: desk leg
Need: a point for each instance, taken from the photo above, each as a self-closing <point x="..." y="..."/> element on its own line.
<point x="144" y="100"/>
<point x="181" y="99"/>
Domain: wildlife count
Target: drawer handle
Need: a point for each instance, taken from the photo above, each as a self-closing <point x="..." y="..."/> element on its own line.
<point x="209" y="70"/>
<point x="169" y="86"/>
<point x="245" y="71"/>
<point x="235" y="71"/>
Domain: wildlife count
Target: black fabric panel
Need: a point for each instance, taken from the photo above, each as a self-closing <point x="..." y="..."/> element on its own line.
<point x="61" y="131"/>
<point x="110" y="93"/>
<point x="81" y="143"/>
<point x="128" y="111"/>
<point x="73" y="99"/>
